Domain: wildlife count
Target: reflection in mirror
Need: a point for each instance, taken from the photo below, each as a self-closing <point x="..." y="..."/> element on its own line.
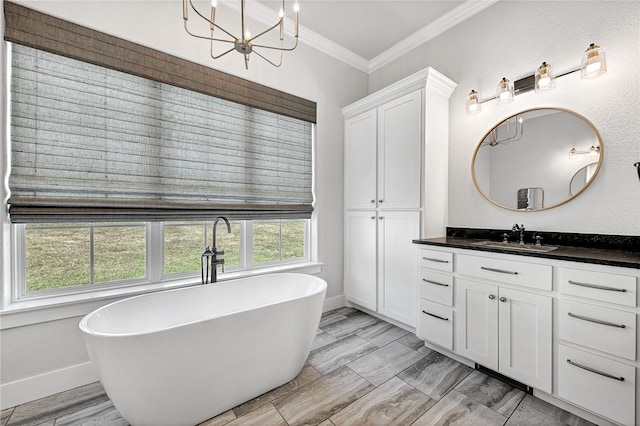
<point x="530" y="198"/>
<point x="581" y="178"/>
<point x="538" y="151"/>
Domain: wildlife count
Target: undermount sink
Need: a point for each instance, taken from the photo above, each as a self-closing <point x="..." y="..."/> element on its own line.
<point x="515" y="246"/>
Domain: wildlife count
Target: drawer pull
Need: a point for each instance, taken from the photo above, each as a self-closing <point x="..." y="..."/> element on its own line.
<point x="599" y="287"/>
<point x="431" y="259"/>
<point x="593" y="370"/>
<point x="597" y="321"/>
<point x="435" y="316"/>
<point x="434" y="282"/>
<point x="502" y="271"/>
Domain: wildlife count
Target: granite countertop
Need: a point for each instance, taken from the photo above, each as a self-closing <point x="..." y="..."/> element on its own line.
<point x="603" y="256"/>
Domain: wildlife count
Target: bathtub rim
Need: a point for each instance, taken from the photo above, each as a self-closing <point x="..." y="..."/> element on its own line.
<point x="83" y="324"/>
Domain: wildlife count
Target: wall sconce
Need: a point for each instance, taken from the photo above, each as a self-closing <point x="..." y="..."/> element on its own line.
<point x="594" y="151"/>
<point x="593" y="64"/>
<point x="544" y="78"/>
<point x="504" y="93"/>
<point x="473" y="106"/>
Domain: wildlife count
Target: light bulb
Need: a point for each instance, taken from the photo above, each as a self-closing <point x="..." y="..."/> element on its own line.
<point x="296" y="7"/>
<point x="593" y="62"/>
<point x="247" y="35"/>
<point x="214" y="3"/>
<point x="281" y="13"/>
<point x="504" y="91"/>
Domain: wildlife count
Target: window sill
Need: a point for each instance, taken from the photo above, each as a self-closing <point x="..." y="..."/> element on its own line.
<point x="27" y="312"/>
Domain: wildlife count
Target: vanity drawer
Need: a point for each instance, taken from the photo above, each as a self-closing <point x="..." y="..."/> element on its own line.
<point x="435" y="324"/>
<point x="600" y="286"/>
<point x="598" y="384"/>
<point x="603" y="329"/>
<point x="433" y="259"/>
<point x="436" y="287"/>
<point x="507" y="271"/>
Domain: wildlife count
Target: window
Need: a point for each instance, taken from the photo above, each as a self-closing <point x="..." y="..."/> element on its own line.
<point x="82" y="257"/>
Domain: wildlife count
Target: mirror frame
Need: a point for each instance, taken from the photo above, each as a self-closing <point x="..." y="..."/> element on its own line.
<point x="484" y="136"/>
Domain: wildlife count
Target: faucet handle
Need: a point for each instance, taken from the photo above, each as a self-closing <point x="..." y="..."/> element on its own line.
<point x="505" y="238"/>
<point x="538" y="238"/>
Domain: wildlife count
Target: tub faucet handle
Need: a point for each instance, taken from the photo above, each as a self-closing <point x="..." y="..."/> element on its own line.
<point x="505" y="238"/>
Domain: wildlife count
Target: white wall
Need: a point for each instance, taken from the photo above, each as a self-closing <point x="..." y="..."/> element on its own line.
<point x="511" y="39"/>
<point x="42" y="348"/>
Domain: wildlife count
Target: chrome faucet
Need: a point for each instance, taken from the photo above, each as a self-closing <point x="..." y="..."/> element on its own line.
<point x="520" y="228"/>
<point x="212" y="257"/>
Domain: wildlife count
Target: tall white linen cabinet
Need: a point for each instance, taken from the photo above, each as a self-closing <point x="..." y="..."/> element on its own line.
<point x="395" y="167"/>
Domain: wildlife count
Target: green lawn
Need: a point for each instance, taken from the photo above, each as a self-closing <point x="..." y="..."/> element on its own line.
<point x="60" y="257"/>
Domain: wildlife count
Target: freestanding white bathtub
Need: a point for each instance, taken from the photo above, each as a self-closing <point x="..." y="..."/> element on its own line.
<point x="179" y="357"/>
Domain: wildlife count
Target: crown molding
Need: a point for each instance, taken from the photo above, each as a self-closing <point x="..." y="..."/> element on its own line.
<point x="428" y="78"/>
<point x="262" y="13"/>
<point x="469" y="8"/>
<point x="437" y="27"/>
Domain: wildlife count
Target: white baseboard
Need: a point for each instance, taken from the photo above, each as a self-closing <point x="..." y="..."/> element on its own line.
<point x="331" y="303"/>
<point x="46" y="384"/>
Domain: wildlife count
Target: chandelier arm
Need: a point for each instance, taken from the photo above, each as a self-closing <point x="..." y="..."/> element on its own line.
<point x="209" y="21"/>
<point x="282" y="49"/>
<point x="265" y="31"/>
<point x="205" y="37"/>
<point x="222" y="54"/>
<point x="270" y="61"/>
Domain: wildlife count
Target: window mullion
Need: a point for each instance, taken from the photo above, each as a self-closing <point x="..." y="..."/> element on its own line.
<point x="248" y="244"/>
<point x="154" y="251"/>
<point x="91" y="255"/>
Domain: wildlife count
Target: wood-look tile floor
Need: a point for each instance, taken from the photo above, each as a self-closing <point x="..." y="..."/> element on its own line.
<point x="361" y="371"/>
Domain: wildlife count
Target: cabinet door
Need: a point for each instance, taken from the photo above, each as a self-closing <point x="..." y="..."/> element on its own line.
<point x="398" y="265"/>
<point x="360" y="258"/>
<point x="360" y="160"/>
<point x="399" y="153"/>
<point x="477" y="323"/>
<point x="525" y="337"/>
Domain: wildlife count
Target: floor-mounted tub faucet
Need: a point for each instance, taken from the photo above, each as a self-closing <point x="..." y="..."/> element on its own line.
<point x="212" y="257"/>
<point x="520" y="228"/>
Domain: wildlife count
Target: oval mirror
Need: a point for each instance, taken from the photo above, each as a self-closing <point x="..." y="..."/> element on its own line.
<point x="537" y="159"/>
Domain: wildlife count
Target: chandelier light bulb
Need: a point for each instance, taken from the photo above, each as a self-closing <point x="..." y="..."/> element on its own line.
<point x="296" y="7"/>
<point x="214" y="3"/>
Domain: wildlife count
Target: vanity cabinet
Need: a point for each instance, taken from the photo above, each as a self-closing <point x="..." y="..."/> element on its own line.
<point x="598" y="340"/>
<point x="506" y="330"/>
<point x="568" y="329"/>
<point x="384" y="151"/>
<point x="436" y="287"/>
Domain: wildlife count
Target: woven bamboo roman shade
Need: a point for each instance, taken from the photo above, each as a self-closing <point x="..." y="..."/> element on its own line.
<point x="92" y="141"/>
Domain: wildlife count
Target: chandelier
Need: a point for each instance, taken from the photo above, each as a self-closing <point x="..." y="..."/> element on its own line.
<point x="245" y="43"/>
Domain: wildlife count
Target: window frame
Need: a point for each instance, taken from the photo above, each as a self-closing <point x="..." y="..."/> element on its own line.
<point x="154" y="261"/>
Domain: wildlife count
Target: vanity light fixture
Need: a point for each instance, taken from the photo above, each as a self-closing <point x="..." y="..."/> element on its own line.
<point x="594" y="151"/>
<point x="593" y="64"/>
<point x="245" y="44"/>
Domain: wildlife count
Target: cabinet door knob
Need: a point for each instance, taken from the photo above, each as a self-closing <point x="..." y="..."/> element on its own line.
<point x="381" y="217"/>
<point x="503" y="299"/>
<point x="380" y="201"/>
<point x="373" y="201"/>
<point x="373" y="217"/>
<point x="491" y="296"/>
